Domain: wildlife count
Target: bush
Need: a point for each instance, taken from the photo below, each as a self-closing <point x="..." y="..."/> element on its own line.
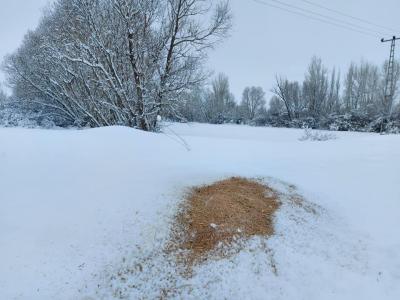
<point x="312" y="135"/>
<point x="15" y="114"/>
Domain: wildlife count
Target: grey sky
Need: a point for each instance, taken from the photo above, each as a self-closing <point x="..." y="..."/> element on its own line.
<point x="265" y="41"/>
<point x="16" y="18"/>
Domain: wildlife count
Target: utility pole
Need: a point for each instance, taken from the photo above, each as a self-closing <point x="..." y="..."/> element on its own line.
<point x="389" y="84"/>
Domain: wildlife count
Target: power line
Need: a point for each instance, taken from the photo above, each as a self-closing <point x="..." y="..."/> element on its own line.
<point x="348" y="15"/>
<point x="356" y="26"/>
<point x="315" y="18"/>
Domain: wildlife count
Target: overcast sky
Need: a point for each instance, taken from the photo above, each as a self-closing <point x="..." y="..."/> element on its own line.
<point x="265" y="41"/>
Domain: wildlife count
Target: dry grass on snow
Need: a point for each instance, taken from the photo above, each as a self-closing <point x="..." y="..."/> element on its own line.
<point x="216" y="216"/>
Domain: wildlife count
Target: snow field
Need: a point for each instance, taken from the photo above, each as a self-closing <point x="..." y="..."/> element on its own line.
<point x="79" y="207"/>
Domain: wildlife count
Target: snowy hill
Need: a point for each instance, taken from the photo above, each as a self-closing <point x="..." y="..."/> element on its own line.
<point x="77" y="206"/>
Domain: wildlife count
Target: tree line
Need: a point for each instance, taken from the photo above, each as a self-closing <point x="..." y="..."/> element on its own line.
<point x="322" y="100"/>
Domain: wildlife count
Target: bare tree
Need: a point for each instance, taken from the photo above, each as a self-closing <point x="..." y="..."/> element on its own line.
<point x="3" y="95"/>
<point x="186" y="42"/>
<point x="363" y="88"/>
<point x="290" y="94"/>
<point x="276" y="106"/>
<point x="220" y="102"/>
<point x="315" y="86"/>
<point x="333" y="100"/>
<point x="253" y="100"/>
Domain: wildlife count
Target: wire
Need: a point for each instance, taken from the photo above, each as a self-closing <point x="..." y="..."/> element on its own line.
<point x="356" y="26"/>
<point x="348" y="15"/>
<point x="315" y="18"/>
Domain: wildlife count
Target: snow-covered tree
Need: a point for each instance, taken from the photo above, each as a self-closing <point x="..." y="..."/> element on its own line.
<point x="333" y="104"/>
<point x="276" y="107"/>
<point x="290" y="95"/>
<point x="193" y="106"/>
<point x="220" y="103"/>
<point x="363" y="88"/>
<point x="117" y="62"/>
<point x="315" y="86"/>
<point x="253" y="101"/>
<point x="3" y="96"/>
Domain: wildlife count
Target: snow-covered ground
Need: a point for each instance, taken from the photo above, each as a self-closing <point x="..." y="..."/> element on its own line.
<point x="84" y="214"/>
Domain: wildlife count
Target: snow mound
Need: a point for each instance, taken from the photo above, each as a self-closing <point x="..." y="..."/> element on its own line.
<point x="258" y="265"/>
